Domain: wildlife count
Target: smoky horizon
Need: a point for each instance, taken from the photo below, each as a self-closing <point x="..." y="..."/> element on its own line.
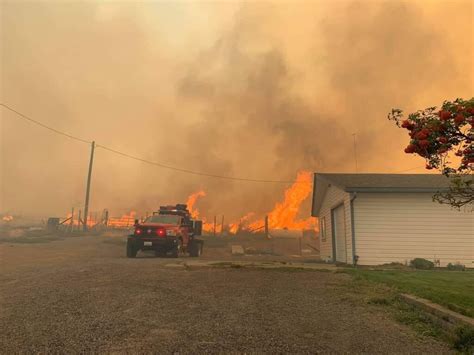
<point x="249" y="90"/>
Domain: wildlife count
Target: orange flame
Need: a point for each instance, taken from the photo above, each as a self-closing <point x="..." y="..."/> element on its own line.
<point x="192" y="201"/>
<point x="127" y="220"/>
<point x="90" y="220"/>
<point x="283" y="215"/>
<point x="235" y="227"/>
<point x="7" y="218"/>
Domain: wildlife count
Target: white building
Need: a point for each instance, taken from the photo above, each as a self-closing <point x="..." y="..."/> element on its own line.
<point x="383" y="218"/>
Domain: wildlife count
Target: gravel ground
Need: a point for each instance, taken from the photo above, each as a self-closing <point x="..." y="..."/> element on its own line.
<point x="83" y="295"/>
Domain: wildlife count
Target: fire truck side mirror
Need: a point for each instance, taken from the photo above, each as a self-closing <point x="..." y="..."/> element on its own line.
<point x="197" y="227"/>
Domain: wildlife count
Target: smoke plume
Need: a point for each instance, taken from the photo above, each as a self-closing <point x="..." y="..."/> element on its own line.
<point x="252" y="90"/>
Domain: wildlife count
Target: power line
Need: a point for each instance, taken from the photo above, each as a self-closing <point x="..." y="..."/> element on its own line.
<point x="190" y="171"/>
<point x="161" y="165"/>
<point x="45" y="126"/>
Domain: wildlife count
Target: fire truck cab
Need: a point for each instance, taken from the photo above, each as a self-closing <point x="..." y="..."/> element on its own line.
<point x="169" y="231"/>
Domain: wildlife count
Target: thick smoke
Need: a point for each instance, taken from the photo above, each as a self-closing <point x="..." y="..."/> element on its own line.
<point x="252" y="90"/>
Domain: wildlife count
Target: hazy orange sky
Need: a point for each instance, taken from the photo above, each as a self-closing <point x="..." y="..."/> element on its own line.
<point x="254" y="89"/>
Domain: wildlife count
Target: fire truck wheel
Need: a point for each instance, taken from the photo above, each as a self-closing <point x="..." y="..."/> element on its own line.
<point x="195" y="249"/>
<point x="177" y="249"/>
<point x="131" y="250"/>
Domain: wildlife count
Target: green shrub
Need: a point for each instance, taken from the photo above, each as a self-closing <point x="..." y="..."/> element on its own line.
<point x="456" y="267"/>
<point x="393" y="263"/>
<point x="422" y="264"/>
<point x="464" y="341"/>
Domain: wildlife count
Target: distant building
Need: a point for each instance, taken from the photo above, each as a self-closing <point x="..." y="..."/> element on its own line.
<point x="384" y="218"/>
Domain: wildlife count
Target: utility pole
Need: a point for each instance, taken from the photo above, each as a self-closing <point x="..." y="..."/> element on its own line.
<point x="222" y="225"/>
<point x="215" y="225"/>
<point x="355" y="152"/>
<point x="88" y="187"/>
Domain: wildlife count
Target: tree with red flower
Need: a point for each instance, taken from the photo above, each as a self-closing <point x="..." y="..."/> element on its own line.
<point x="445" y="139"/>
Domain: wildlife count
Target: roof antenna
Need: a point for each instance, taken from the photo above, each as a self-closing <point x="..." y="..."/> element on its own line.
<point x="355" y="153"/>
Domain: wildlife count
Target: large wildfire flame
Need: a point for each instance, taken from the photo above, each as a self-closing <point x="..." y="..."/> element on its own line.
<point x="283" y="216"/>
<point x="284" y="213"/>
<point x="191" y="202"/>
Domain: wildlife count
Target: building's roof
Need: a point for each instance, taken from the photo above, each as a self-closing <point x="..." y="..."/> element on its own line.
<point x="355" y="182"/>
<point x="376" y="183"/>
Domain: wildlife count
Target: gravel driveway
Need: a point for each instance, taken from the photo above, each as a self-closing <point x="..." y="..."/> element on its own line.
<point x="83" y="295"/>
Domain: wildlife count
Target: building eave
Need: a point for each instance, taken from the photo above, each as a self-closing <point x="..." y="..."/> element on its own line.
<point x="394" y="189"/>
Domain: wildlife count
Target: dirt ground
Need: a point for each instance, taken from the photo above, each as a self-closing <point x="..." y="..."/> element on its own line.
<point x="82" y="295"/>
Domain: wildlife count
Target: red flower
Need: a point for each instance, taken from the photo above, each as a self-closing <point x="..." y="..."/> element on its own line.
<point x="423" y="143"/>
<point x="411" y="148"/>
<point x="443" y="140"/>
<point x="421" y="135"/>
<point x="444" y="115"/>
<point x="405" y="124"/>
<point x="459" y="119"/>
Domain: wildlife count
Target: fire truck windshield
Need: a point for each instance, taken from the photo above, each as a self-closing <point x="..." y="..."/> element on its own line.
<point x="164" y="219"/>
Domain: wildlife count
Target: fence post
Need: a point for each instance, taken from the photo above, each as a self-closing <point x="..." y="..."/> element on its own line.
<point x="215" y="223"/>
<point x="266" y="227"/>
<point x="72" y="220"/>
<point x="79" y="221"/>
<point x="106" y="218"/>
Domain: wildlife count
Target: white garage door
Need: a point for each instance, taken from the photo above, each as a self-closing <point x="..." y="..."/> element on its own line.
<point x="339" y="234"/>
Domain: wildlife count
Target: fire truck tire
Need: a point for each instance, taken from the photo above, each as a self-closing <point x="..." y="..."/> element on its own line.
<point x="177" y="249"/>
<point x="131" y="250"/>
<point x="195" y="248"/>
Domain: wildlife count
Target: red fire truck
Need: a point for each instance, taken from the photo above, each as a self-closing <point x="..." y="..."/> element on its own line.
<point x="170" y="231"/>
